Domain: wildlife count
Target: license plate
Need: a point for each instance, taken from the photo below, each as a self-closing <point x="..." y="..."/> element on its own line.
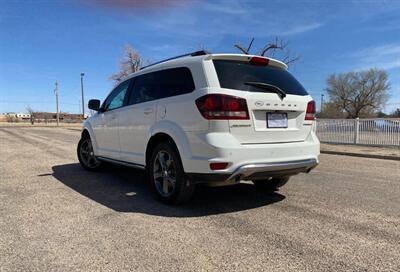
<point x="277" y="120"/>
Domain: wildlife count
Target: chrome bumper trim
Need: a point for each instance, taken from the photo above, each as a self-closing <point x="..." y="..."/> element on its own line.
<point x="275" y="168"/>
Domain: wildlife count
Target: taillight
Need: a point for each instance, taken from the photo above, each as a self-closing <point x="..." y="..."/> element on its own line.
<point x="222" y="107"/>
<point x="310" y="113"/>
<point x="259" y="61"/>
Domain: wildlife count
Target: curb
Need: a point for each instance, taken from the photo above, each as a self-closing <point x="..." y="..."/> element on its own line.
<point x="372" y="156"/>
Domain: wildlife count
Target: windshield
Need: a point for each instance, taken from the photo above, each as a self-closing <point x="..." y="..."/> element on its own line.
<point x="235" y="75"/>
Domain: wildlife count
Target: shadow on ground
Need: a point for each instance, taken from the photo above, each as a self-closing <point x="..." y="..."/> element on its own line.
<point x="125" y="190"/>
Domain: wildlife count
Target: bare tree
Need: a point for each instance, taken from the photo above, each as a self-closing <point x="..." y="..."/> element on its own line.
<point x="130" y="63"/>
<point x="31" y="114"/>
<point x="331" y="110"/>
<point x="10" y="118"/>
<point x="271" y="49"/>
<point x="245" y="50"/>
<point x="359" y="94"/>
<point x="277" y="44"/>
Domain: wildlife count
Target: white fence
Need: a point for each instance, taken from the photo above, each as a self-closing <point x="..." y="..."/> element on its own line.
<point x="374" y="132"/>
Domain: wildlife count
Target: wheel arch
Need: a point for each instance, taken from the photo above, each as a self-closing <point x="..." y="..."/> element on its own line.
<point x="85" y="133"/>
<point x="87" y="130"/>
<point x="159" y="137"/>
<point x="169" y="131"/>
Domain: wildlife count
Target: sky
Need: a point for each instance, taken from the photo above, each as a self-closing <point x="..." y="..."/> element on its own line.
<point x="43" y="41"/>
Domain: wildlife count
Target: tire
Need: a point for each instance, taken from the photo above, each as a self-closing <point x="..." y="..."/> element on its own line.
<point x="86" y="157"/>
<point x="166" y="175"/>
<point x="272" y="184"/>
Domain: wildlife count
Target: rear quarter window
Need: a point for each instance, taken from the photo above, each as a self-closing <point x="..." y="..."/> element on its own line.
<point x="176" y="81"/>
<point x="161" y="84"/>
<point x="234" y="75"/>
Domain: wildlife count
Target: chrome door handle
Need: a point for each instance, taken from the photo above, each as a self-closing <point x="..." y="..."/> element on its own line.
<point x="113" y="117"/>
<point x="148" y="111"/>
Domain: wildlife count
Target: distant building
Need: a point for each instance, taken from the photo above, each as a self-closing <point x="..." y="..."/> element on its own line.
<point x="23" y="116"/>
<point x="15" y="117"/>
<point x="46" y="117"/>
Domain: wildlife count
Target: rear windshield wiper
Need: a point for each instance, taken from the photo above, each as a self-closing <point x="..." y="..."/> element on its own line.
<point x="268" y="87"/>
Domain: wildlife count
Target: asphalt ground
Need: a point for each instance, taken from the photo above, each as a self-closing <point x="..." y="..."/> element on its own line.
<point x="55" y="216"/>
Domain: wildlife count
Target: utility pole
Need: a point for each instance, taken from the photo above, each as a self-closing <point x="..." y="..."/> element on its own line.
<point x="83" y="99"/>
<point x="322" y="102"/>
<point x="56" y="93"/>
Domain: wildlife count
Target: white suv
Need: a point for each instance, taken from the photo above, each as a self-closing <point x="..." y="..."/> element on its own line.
<point x="205" y="118"/>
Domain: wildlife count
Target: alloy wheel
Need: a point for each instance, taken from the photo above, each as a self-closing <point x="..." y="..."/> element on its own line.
<point x="87" y="154"/>
<point x="164" y="175"/>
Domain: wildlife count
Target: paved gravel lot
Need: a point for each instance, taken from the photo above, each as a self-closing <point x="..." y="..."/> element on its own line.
<point x="345" y="215"/>
<point x="392" y="153"/>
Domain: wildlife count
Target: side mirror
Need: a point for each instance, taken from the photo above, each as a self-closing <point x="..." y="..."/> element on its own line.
<point x="94" y="104"/>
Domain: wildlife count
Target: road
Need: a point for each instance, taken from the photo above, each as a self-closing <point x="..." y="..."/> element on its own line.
<point x="344" y="216"/>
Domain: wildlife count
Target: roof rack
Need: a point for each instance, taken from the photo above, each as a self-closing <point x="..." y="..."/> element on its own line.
<point x="193" y="54"/>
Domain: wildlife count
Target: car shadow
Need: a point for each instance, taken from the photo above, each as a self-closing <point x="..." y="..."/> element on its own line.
<point x="125" y="190"/>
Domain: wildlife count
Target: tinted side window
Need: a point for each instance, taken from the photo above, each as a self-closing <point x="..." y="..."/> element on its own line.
<point x="144" y="89"/>
<point x="117" y="97"/>
<point x="175" y="81"/>
<point x="161" y="84"/>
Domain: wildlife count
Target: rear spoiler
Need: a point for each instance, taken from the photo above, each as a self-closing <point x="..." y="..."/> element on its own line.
<point x="248" y="58"/>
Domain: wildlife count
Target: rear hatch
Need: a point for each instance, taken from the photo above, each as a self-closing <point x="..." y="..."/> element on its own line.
<point x="276" y="101"/>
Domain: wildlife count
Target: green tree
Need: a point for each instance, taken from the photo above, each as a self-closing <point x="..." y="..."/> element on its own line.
<point x="396" y="113"/>
<point x="381" y="114"/>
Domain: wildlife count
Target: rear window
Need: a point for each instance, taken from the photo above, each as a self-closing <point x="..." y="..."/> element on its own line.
<point x="234" y="75"/>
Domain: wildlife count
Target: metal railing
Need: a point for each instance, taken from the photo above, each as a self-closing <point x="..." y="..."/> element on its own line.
<point x="373" y="132"/>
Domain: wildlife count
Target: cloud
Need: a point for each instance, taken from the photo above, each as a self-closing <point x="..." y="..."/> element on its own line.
<point x="301" y="28"/>
<point x="230" y="8"/>
<point x="384" y="28"/>
<point x="380" y="50"/>
<point x="162" y="47"/>
<point x="184" y="25"/>
<point x="139" y="4"/>
<point x="386" y="56"/>
<point x="218" y="21"/>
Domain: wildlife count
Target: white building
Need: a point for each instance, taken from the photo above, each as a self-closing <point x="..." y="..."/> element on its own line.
<point x="20" y="116"/>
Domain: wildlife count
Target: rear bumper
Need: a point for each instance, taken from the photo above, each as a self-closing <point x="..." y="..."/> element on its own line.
<point x="223" y="147"/>
<point x="257" y="171"/>
<point x="264" y="170"/>
<point x="246" y="161"/>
